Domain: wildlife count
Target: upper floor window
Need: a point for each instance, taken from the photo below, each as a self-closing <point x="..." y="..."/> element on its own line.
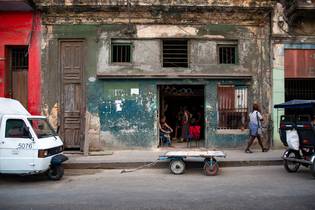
<point x="227" y="54"/>
<point x="175" y="53"/>
<point x="121" y="52"/>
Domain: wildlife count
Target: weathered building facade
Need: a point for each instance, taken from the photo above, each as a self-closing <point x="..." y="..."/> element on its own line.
<point x="293" y="54"/>
<point x="112" y="68"/>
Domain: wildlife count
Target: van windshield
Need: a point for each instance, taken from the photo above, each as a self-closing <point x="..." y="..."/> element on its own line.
<point x="41" y="127"/>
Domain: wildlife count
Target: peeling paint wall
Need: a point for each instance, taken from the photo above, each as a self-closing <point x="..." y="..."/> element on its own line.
<point x="286" y="35"/>
<point x="127" y="113"/>
<point x="203" y="50"/>
<point x="123" y="112"/>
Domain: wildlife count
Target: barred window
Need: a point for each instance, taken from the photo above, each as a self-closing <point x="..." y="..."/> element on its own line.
<point x="121" y="52"/>
<point x="19" y="58"/>
<point x="175" y="53"/>
<point x="227" y="54"/>
<point x="232" y="107"/>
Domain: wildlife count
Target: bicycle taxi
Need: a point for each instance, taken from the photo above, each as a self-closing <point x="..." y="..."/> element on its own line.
<point x="297" y="132"/>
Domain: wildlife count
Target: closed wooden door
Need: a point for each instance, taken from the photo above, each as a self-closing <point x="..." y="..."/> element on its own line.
<point x="18" y="75"/>
<point x="72" y="93"/>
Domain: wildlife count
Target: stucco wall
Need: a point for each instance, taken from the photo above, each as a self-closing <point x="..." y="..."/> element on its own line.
<point x="21" y="29"/>
<point x="145" y="27"/>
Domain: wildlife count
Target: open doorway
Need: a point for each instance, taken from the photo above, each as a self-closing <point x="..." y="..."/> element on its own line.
<point x="179" y="103"/>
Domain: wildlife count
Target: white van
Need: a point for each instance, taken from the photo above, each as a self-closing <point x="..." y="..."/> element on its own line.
<point x="28" y="144"/>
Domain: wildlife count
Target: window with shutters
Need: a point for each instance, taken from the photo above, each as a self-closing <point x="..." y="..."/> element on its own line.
<point x="175" y="53"/>
<point x="232" y="107"/>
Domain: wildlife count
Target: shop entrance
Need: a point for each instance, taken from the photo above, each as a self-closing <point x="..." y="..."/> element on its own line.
<point x="183" y="108"/>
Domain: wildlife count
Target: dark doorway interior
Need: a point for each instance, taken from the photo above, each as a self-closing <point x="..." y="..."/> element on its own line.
<point x="174" y="99"/>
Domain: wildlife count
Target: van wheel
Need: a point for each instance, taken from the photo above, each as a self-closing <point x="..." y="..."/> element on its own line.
<point x="55" y="172"/>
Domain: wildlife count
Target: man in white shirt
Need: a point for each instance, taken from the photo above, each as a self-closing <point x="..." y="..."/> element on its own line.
<point x="255" y="128"/>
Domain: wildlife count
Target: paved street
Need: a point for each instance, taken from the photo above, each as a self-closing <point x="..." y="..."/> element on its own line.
<point x="268" y="187"/>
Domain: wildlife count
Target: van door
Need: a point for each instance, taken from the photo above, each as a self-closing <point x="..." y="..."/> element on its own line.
<point x="17" y="147"/>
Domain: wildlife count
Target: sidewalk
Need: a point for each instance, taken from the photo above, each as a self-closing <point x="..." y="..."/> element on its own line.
<point x="123" y="159"/>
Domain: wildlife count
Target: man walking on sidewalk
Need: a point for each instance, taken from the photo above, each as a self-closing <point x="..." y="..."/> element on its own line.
<point x="255" y="128"/>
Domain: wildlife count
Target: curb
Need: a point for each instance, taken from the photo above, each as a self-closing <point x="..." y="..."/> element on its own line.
<point x="165" y="164"/>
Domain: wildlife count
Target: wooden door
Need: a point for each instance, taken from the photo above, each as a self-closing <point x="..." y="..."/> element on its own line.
<point x="72" y="93"/>
<point x="18" y="74"/>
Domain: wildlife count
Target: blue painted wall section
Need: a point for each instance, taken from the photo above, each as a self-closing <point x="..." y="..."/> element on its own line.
<point x="128" y="110"/>
<point x="300" y="46"/>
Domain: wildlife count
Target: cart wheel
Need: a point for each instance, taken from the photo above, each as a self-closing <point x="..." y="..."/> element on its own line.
<point x="177" y="166"/>
<point x="55" y="172"/>
<point x="211" y="170"/>
<point x="313" y="169"/>
<point x="290" y="166"/>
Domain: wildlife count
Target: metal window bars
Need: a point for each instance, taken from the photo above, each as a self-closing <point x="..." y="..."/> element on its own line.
<point x="232" y="107"/>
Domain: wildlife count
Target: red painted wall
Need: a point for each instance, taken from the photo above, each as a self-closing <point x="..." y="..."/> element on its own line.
<point x="15" y="29"/>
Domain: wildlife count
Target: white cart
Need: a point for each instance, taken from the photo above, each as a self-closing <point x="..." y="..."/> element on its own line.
<point x="177" y="160"/>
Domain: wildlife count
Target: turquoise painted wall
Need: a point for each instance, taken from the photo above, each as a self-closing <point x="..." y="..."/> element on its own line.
<point x="128" y="112"/>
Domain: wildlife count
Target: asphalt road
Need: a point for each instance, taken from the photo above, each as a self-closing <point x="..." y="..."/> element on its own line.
<point x="268" y="187"/>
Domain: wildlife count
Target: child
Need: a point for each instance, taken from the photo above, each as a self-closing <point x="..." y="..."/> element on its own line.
<point x="165" y="131"/>
<point x="194" y="130"/>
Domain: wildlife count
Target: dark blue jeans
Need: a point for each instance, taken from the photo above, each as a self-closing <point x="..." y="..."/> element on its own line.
<point x="165" y="139"/>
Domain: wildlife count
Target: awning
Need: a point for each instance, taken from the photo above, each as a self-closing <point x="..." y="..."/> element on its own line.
<point x="300" y="104"/>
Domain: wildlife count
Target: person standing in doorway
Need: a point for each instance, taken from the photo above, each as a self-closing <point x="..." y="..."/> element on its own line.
<point x="255" y="128"/>
<point x="185" y="124"/>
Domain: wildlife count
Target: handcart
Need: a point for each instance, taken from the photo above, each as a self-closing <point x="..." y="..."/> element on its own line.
<point x="299" y="118"/>
<point x="177" y="160"/>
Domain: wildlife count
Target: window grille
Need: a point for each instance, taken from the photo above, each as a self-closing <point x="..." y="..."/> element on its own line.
<point x="121" y="52"/>
<point x="175" y="53"/>
<point x="232" y="107"/>
<point x="19" y="58"/>
<point x="299" y="89"/>
<point x="227" y="54"/>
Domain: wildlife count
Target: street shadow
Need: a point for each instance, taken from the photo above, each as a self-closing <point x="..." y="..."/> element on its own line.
<point x="13" y="178"/>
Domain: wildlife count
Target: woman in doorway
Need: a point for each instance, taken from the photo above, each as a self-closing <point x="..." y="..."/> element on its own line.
<point x="255" y="120"/>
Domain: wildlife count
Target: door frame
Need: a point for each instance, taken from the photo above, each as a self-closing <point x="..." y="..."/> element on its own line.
<point x="83" y="88"/>
<point x="204" y="84"/>
<point x="8" y="72"/>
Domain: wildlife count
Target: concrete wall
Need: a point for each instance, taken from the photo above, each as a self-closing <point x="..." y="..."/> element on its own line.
<point x="286" y="36"/>
<point x="123" y="111"/>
